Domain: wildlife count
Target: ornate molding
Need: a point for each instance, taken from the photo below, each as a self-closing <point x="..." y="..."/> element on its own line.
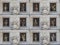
<point x="15" y="40"/>
<point x="44" y="25"/>
<point x="45" y="40"/>
<point x="15" y="11"/>
<point x="45" y="10"/>
<point x="15" y="25"/>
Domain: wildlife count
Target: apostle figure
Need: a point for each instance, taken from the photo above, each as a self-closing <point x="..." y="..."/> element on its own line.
<point x="5" y="38"/>
<point x="23" y="7"/>
<point x="36" y="7"/>
<point x="6" y="23"/>
<point x="23" y="37"/>
<point x="23" y="22"/>
<point x="5" y="7"/>
<point x="35" y="22"/>
<point x="53" y="7"/>
<point x="35" y="37"/>
<point x="53" y="22"/>
<point x="53" y="37"/>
